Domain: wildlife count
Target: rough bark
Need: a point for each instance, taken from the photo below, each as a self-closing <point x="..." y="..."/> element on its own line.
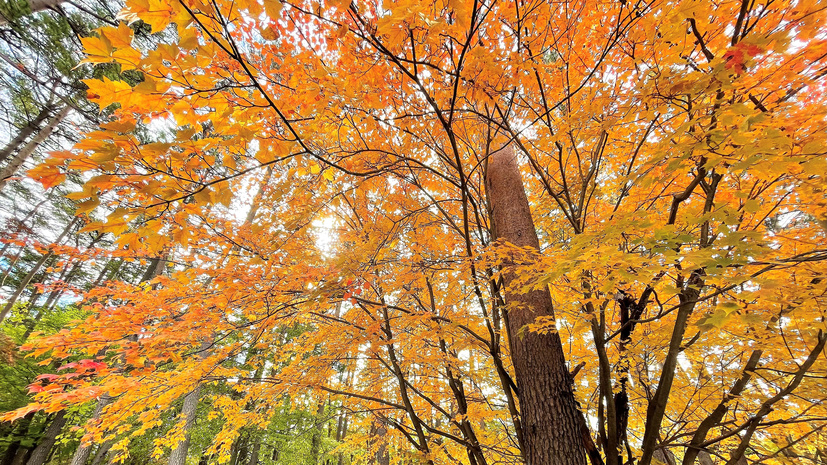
<point x="22" y="455"/>
<point x="316" y="439"/>
<point x="254" y="452"/>
<point x="27" y="150"/>
<point x="84" y="451"/>
<point x="179" y="454"/>
<point x="378" y="445"/>
<point x="41" y="453"/>
<point x="101" y="453"/>
<point x="705" y="459"/>
<point x="664" y="456"/>
<point x="550" y="417"/>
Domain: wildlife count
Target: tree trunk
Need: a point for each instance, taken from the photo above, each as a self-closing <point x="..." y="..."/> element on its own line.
<point x="22" y="455"/>
<point x="41" y="453"/>
<point x="11" y="265"/>
<point x="51" y="300"/>
<point x="28" y="278"/>
<point x="378" y="444"/>
<point x="67" y="278"/>
<point x="11" y="451"/>
<point x="549" y="411"/>
<point x="153" y="269"/>
<point x="238" y="452"/>
<point x="84" y="451"/>
<point x="254" y="452"/>
<point x="27" y="130"/>
<point x="316" y="438"/>
<point x="179" y="454"/>
<point x="17" y="454"/>
<point x="100" y="454"/>
<point x="24" y="153"/>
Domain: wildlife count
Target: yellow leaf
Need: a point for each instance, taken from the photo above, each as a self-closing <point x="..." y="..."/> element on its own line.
<point x="98" y="49"/>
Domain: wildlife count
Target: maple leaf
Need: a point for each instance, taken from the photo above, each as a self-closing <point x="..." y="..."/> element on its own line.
<point x="738" y="57"/>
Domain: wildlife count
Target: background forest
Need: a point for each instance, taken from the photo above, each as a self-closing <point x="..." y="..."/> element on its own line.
<point x="478" y="232"/>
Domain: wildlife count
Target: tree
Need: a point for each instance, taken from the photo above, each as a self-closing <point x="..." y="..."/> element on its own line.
<point x="673" y="156"/>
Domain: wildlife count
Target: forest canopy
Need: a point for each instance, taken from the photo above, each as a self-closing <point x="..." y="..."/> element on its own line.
<point x="460" y="231"/>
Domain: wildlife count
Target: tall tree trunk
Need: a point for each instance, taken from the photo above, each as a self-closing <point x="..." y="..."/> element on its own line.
<point x="28" y="278"/>
<point x="27" y="130"/>
<point x="11" y="265"/>
<point x="550" y="415"/>
<point x="108" y="272"/>
<point x="378" y="444"/>
<point x="100" y="454"/>
<point x="238" y="452"/>
<point x="254" y="452"/>
<point x="64" y="282"/>
<point x="153" y="269"/>
<point x="21" y="226"/>
<point x="179" y="454"/>
<point x="24" y="153"/>
<point x="22" y="455"/>
<point x="83" y="452"/>
<point x="16" y="454"/>
<point x="41" y="452"/>
<point x="316" y="439"/>
<point x="67" y="278"/>
<point x="11" y="451"/>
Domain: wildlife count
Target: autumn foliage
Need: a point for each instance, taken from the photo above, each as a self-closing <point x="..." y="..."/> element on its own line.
<point x="311" y="176"/>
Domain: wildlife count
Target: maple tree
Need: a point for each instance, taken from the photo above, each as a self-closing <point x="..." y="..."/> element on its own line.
<point x="663" y="301"/>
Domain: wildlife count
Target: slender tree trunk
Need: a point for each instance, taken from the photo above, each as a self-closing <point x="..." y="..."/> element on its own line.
<point x="27" y="130"/>
<point x="239" y="450"/>
<point x="41" y="452"/>
<point x="100" y="454"/>
<point x="84" y="451"/>
<point x="341" y="437"/>
<point x="11" y="451"/>
<point x="316" y="439"/>
<point x="550" y="416"/>
<point x="17" y="454"/>
<point x="22" y="456"/>
<point x="341" y="430"/>
<point x="108" y="272"/>
<point x="21" y="226"/>
<point x="9" y="268"/>
<point x="28" y="278"/>
<point x="179" y="454"/>
<point x="24" y="153"/>
<point x="6" y="246"/>
<point x="254" y="452"/>
<point x="378" y="443"/>
<point x="66" y="279"/>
